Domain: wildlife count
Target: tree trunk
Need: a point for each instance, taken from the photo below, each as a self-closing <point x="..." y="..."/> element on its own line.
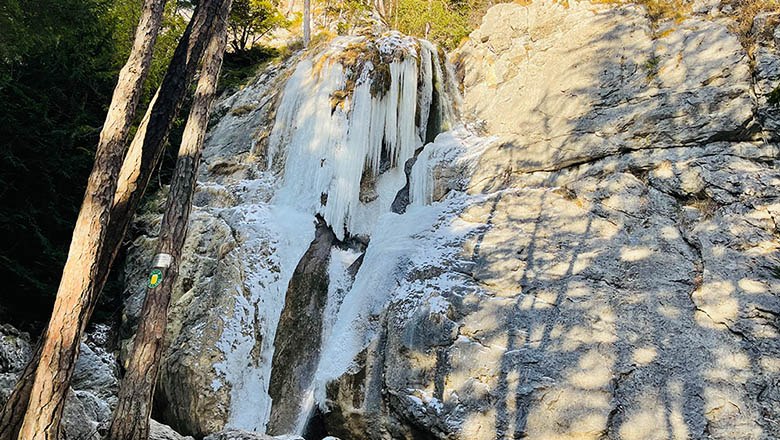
<point x="150" y="139"/>
<point x="141" y="161"/>
<point x="136" y="392"/>
<point x="306" y="22"/>
<point x="78" y="289"/>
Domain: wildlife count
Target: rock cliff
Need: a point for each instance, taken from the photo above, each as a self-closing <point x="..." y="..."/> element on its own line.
<point x="592" y="253"/>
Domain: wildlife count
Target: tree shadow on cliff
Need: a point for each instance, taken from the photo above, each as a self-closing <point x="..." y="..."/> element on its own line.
<point x="611" y="334"/>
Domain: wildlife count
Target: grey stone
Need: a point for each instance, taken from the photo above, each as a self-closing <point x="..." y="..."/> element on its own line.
<point x="15" y="350"/>
<point x="299" y="336"/>
<point x="626" y="285"/>
<point x="159" y="431"/>
<point x="94" y="385"/>
<point x="235" y="434"/>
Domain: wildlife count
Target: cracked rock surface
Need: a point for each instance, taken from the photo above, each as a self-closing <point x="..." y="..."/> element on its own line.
<point x="621" y="279"/>
<point x="625" y="285"/>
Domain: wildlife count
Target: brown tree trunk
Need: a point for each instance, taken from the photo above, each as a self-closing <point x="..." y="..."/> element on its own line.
<point x="141" y="161"/>
<point x="77" y="289"/>
<point x="136" y="392"/>
<point x="306" y="22"/>
<point x="149" y="142"/>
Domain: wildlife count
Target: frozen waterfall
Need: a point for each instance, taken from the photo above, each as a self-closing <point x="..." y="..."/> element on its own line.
<point x="348" y="119"/>
<point x="342" y="126"/>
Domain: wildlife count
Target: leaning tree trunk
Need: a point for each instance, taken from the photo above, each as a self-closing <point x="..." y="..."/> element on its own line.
<point x="149" y="142"/>
<point x="78" y="289"/>
<point x="306" y="22"/>
<point x="141" y="160"/>
<point x="136" y="391"/>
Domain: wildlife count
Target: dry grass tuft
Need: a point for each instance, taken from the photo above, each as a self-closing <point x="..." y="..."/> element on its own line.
<point x="745" y="12"/>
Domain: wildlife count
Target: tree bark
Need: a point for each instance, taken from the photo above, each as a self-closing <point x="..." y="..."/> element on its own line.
<point x="306" y="22"/>
<point x="149" y="142"/>
<point x="136" y="392"/>
<point x="78" y="287"/>
<point x="140" y="162"/>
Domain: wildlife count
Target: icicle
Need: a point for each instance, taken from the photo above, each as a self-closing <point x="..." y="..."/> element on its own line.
<point x="421" y="179"/>
<point x="391" y="103"/>
<point x="350" y="157"/>
<point x="425" y="93"/>
<point x="408" y="140"/>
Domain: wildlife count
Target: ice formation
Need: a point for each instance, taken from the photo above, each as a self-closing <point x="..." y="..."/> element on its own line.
<point x="348" y="120"/>
<point x="347" y="115"/>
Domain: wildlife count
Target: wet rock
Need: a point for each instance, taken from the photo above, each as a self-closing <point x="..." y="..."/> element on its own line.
<point x="298" y="339"/>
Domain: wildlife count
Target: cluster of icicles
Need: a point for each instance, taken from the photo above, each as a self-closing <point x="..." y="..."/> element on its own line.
<point x="341" y="119"/>
<point x="348" y="120"/>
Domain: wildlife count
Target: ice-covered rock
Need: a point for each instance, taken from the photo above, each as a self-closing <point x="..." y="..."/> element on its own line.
<point x="623" y="282"/>
<point x="237" y="434"/>
<point x="326" y="137"/>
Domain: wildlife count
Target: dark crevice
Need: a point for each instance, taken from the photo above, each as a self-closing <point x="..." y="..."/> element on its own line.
<point x="299" y="333"/>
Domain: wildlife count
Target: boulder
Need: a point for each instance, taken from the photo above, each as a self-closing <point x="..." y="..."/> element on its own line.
<point x="159" y="431"/>
<point x="89" y="403"/>
<point x="237" y="434"/>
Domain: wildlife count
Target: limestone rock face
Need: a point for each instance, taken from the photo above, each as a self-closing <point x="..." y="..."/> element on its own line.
<point x="624" y="281"/>
<point x="209" y="309"/>
<point x="767" y="71"/>
<point x="567" y="85"/>
<point x="599" y="261"/>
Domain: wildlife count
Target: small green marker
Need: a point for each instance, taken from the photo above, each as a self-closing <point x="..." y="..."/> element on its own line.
<point x="155" y="278"/>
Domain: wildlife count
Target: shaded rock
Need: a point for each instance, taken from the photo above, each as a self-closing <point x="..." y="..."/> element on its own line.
<point x="89" y="402"/>
<point x="235" y="434"/>
<point x="766" y="31"/>
<point x="159" y="431"/>
<point x="15" y="351"/>
<point x="298" y="339"/>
